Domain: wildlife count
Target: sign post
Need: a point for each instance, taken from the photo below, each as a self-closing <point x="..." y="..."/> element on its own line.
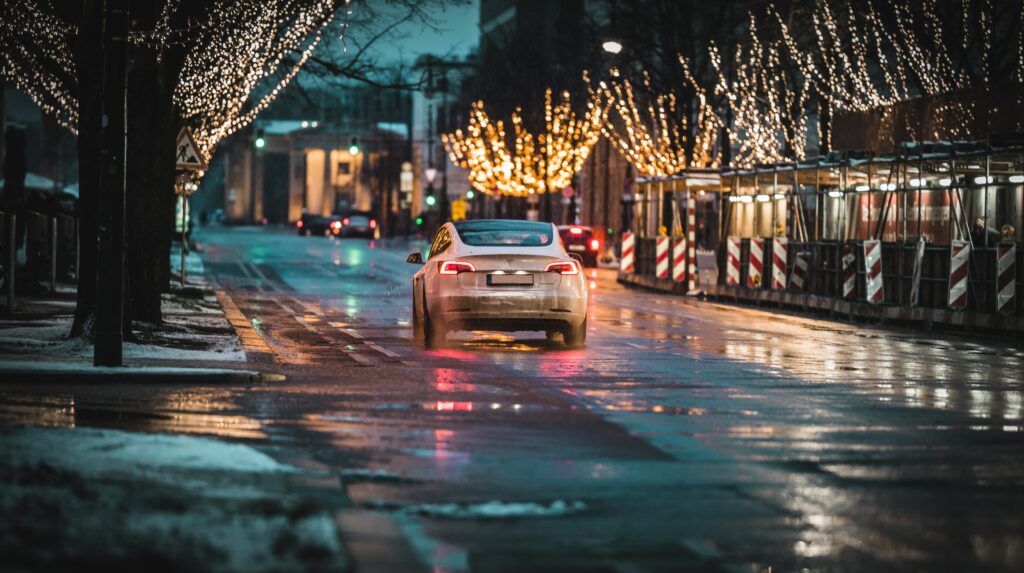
<point x="187" y="158"/>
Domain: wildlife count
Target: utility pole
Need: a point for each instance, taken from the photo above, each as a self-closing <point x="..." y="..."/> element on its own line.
<point x="111" y="246"/>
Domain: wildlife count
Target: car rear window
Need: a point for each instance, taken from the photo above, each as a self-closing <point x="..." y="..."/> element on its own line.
<point x="504" y="233"/>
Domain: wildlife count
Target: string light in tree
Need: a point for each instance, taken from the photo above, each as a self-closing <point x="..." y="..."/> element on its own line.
<point x="534" y="163"/>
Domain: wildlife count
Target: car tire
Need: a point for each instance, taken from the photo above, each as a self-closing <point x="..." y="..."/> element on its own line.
<point x="433" y="332"/>
<point x="551" y="335"/>
<point x="576" y="336"/>
<point x="417" y="324"/>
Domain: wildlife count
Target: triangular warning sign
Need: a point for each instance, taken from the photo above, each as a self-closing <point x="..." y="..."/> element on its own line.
<point x="186" y="154"/>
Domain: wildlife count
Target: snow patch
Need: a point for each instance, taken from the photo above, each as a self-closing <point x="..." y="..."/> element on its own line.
<point x="497" y="509"/>
<point x="97" y="452"/>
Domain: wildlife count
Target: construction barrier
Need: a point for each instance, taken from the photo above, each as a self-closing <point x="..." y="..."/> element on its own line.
<point x="874" y="283"/>
<point x="661" y="258"/>
<point x="628" y="245"/>
<point x="780" y="257"/>
<point x="679" y="259"/>
<point x="732" y="264"/>
<point x="959" y="258"/>
<point x="849" y="272"/>
<point x="801" y="265"/>
<point x="691" y="240"/>
<point x="755" y="263"/>
<point x="1006" y="279"/>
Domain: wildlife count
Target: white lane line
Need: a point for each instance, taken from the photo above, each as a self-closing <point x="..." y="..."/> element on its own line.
<point x="381" y="349"/>
<point x="362" y="360"/>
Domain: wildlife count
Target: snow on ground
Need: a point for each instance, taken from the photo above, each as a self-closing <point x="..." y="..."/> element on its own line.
<point x="496" y="509"/>
<point x="91" y="499"/>
<point x="193" y="331"/>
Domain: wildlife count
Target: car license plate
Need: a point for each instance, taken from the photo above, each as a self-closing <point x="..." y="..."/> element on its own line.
<point x="510" y="279"/>
<point x="577" y="248"/>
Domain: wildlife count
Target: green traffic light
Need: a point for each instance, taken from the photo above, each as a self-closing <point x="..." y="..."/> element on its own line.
<point x="353" y="150"/>
<point x="260" y="142"/>
<point x="470" y="194"/>
<point x="419" y="220"/>
<point x="431" y="200"/>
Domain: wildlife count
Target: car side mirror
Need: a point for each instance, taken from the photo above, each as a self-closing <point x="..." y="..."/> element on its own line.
<point x="415" y="258"/>
<point x="576" y="256"/>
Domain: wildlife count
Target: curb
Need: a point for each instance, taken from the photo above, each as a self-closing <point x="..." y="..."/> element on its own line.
<point x="84" y="374"/>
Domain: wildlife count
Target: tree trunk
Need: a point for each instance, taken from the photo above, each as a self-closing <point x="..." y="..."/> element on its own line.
<point x="88" y="61"/>
<point x="152" y="127"/>
<point x="145" y="181"/>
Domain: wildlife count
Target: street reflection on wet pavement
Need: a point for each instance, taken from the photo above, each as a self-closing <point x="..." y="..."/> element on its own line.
<point x="687" y="435"/>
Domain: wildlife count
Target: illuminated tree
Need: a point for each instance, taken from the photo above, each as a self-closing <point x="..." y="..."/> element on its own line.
<point x="522" y="163"/>
<point x="656" y="137"/>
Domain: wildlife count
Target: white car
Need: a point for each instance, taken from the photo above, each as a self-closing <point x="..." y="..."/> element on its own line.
<point x="498" y="275"/>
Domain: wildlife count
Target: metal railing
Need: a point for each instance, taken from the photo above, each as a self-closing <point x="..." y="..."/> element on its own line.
<point x="51" y="251"/>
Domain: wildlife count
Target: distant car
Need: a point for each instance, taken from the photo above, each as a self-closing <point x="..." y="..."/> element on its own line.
<point x="498" y="275"/>
<point x="316" y="224"/>
<point x="580" y="240"/>
<point x="358" y="224"/>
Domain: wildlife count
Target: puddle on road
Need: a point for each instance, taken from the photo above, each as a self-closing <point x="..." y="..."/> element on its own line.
<point x="184" y="412"/>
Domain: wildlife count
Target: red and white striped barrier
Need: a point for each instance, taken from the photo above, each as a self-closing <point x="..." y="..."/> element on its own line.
<point x="661" y="257"/>
<point x="755" y="264"/>
<point x="691" y="240"/>
<point x="1006" y="279"/>
<point x="959" y="258"/>
<point x="873" y="280"/>
<point x="679" y="259"/>
<point x="849" y="272"/>
<point x="780" y="257"/>
<point x="801" y="266"/>
<point x="626" y="261"/>
<point x="732" y="269"/>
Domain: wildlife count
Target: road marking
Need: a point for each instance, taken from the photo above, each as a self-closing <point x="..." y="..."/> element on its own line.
<point x="362" y="360"/>
<point x="251" y="339"/>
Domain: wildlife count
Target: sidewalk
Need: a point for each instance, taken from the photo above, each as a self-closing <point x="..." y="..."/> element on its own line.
<point x="195" y="344"/>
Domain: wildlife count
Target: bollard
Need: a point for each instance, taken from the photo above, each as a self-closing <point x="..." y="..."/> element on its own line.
<point x="53" y="254"/>
<point x="12" y="260"/>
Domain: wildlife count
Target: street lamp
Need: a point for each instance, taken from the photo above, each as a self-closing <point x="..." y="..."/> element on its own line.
<point x="612" y="46"/>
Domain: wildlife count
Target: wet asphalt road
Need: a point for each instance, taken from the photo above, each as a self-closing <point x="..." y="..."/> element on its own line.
<point x="686" y="436"/>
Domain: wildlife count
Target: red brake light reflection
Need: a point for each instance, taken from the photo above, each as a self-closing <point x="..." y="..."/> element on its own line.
<point x="575" y="231"/>
<point x="455" y="267"/>
<point x="562" y="268"/>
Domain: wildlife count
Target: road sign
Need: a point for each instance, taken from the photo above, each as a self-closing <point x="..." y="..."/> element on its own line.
<point x="405" y="180"/>
<point x="186" y="153"/>
<point x="458" y="210"/>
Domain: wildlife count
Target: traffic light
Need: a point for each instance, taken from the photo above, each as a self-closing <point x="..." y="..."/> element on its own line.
<point x="430" y="200"/>
<point x="260" y="141"/>
<point x="353" y="147"/>
<point x="470" y="194"/>
<point x="419" y="221"/>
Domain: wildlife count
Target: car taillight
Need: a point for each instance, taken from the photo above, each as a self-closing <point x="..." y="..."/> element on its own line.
<point x="298" y="223"/>
<point x="594" y="244"/>
<point x="562" y="268"/>
<point x="575" y="231"/>
<point x="455" y="267"/>
<point x="373" y="223"/>
<point x="335" y="225"/>
<point x="345" y="221"/>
